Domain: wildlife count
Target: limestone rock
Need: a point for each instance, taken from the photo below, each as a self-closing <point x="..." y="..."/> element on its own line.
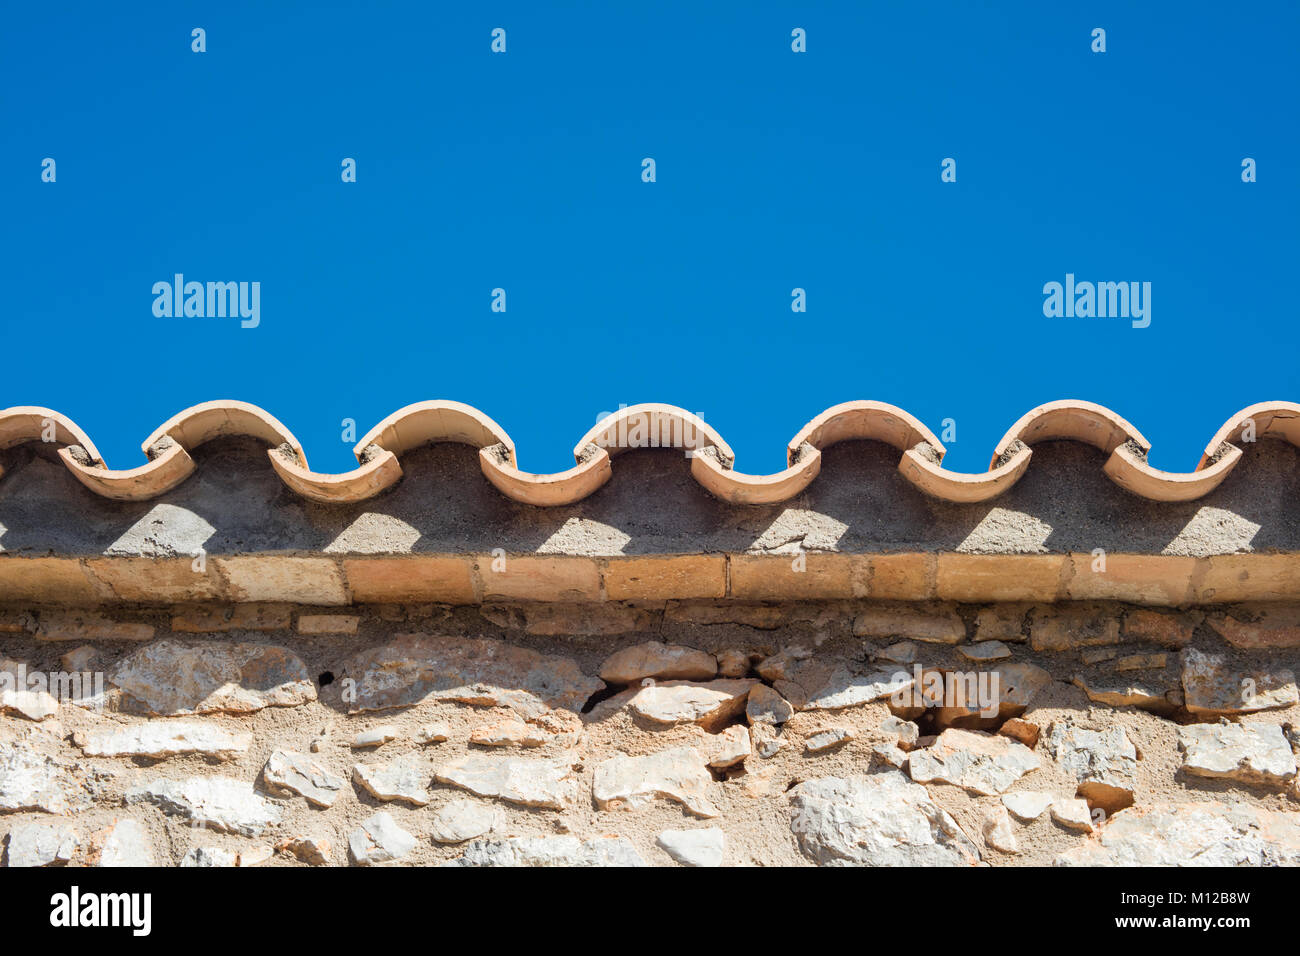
<point x="1027" y="805"/>
<point x="764" y="705"/>
<point x="934" y="627"/>
<point x="315" y="851"/>
<point x="288" y="770"/>
<point x="985" y="652"/>
<point x="1103" y="762"/>
<point x="904" y="652"/>
<point x="374" y="737"/>
<point x="1192" y="834"/>
<point x="29" y="781"/>
<point x="997" y="830"/>
<point x="209" y="856"/>
<point x="844" y="688"/>
<point x="433" y="734"/>
<point x="219" y="803"/>
<point x="733" y="663"/>
<point x="1252" y="753"/>
<point x="694" y="847"/>
<point x="550" y="851"/>
<point x="167" y="738"/>
<point x="1072" y="812"/>
<point x="1212" y="686"/>
<point x="400" y="779"/>
<point x="462" y="820"/>
<point x="483" y="672"/>
<point x="1148" y="693"/>
<point x="167" y="678"/>
<point x="876" y="820"/>
<point x="17" y="696"/>
<point x="124" y="843"/>
<point x="1022" y="730"/>
<point x="891" y="754"/>
<point x="679" y="774"/>
<point x="682" y="702"/>
<point x="379" y="840"/>
<point x="826" y="739"/>
<point x="978" y="762"/>
<point x="728" y="748"/>
<point x="39" y="844"/>
<point x="659" y="661"/>
<point x="528" y="782"/>
<point x="905" y="732"/>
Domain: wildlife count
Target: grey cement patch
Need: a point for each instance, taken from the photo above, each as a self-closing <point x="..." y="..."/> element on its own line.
<point x="235" y="504"/>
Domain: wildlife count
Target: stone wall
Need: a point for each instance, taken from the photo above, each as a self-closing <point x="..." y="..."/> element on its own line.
<point x="696" y="733"/>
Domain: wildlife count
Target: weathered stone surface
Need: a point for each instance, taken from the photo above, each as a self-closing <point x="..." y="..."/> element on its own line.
<point x="631" y="783"/>
<point x="998" y="832"/>
<point x="167" y="738"/>
<point x="1141" y="662"/>
<point x="764" y="705"/>
<point x="1095" y="655"/>
<point x="1213" y="686"/>
<point x="550" y="851"/>
<point x="659" y="661"/>
<point x="694" y="847"/>
<point x="29" y="781"/>
<point x="416" y="667"/>
<point x="845" y="689"/>
<point x="399" y="779"/>
<point x="528" y="782"/>
<point x="211" y="619"/>
<point x="293" y="772"/>
<point x="219" y="803"/>
<point x="374" y="737"/>
<point x="1171" y="630"/>
<point x="1147" y="693"/>
<point x="826" y="739"/>
<point x="733" y="663"/>
<point x="39" y="844"/>
<point x="904" y="652"/>
<point x="978" y="762"/>
<point x="209" y="856"/>
<point x="379" y="840"/>
<point x="1252" y="753"/>
<point x="1192" y="834"/>
<point x="509" y="733"/>
<point x="933" y="627"/>
<point x="985" y="652"/>
<point x="891" y="754"/>
<point x="728" y="748"/>
<point x="782" y="665"/>
<point x="682" y="702"/>
<point x="1103" y="762"/>
<point x="433" y="734"/>
<point x="1262" y="627"/>
<point x="1067" y="626"/>
<point x="1072" y="813"/>
<point x="124" y="843"/>
<point x="18" y="696"/>
<point x="254" y="855"/>
<point x="876" y="820"/>
<point x="764" y="739"/>
<point x="905" y="732"/>
<point x="65" y="625"/>
<point x="462" y="820"/>
<point x="1027" y="804"/>
<point x="328" y="623"/>
<point x="1001" y="622"/>
<point x="1017" y="728"/>
<point x="168" y="678"/>
<point x="315" y="851"/>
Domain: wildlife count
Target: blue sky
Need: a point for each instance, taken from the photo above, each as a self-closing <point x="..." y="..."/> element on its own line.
<point x="775" y="170"/>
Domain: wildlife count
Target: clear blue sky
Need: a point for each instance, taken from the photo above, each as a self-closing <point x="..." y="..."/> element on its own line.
<point x="775" y="170"/>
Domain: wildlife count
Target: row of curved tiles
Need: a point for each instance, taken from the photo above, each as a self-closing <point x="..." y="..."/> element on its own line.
<point x="168" y="450"/>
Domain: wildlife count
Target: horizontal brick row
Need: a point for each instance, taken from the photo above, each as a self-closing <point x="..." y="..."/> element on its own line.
<point x="1158" y="580"/>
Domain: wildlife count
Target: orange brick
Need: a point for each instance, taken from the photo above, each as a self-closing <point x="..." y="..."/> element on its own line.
<point x="277" y="578"/>
<point x="666" y="578"/>
<point x="999" y="577"/>
<point x="1248" y="577"/>
<point x="212" y="619"/>
<point x="157" y="579"/>
<point x="328" y="623"/>
<point x="1158" y="579"/>
<point x="901" y="577"/>
<point x="540" y="578"/>
<point x="446" y="580"/>
<point x="89" y="626"/>
<point x="47" y="581"/>
<point x="774" y="578"/>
